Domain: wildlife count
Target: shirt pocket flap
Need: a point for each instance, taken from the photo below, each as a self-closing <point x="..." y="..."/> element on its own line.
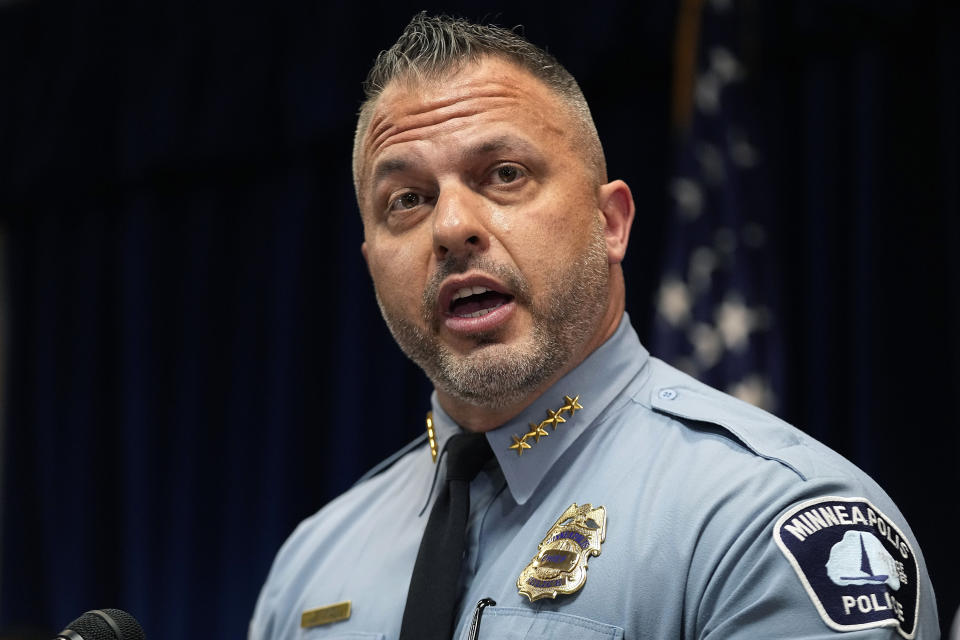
<point x="511" y="623"/>
<point x="318" y="633"/>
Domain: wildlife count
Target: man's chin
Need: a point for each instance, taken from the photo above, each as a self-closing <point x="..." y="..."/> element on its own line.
<point x="492" y="374"/>
<point x="469" y="346"/>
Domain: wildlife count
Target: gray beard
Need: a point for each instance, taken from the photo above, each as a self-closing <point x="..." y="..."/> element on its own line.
<point x="495" y="375"/>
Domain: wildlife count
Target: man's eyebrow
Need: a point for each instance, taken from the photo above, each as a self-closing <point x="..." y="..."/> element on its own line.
<point x="500" y="143"/>
<point x="388" y="167"/>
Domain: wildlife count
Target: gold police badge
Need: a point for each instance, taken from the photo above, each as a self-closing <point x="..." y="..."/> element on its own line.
<point x="560" y="565"/>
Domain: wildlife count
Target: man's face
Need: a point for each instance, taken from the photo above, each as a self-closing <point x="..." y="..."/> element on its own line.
<point x="483" y="233"/>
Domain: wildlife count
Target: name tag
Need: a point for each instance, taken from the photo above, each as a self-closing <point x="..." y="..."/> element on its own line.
<point x="325" y="615"/>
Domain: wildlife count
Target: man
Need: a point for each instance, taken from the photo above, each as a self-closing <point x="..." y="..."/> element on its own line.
<point x="624" y="499"/>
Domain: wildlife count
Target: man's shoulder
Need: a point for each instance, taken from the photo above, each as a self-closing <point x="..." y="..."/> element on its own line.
<point x="359" y="528"/>
<point x="765" y="488"/>
<point x="700" y="408"/>
<point x="393" y="458"/>
<point x="383" y="492"/>
<point x="382" y="495"/>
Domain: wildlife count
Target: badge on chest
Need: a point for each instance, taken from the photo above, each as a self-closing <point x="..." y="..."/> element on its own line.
<point x="560" y="566"/>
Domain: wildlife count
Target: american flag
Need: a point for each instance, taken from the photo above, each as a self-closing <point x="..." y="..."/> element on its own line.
<point x="716" y="304"/>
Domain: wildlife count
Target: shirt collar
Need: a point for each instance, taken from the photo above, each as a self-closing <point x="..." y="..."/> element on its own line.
<point x="598" y="381"/>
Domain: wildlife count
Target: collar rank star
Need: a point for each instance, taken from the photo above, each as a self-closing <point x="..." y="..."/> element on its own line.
<point x="431" y="437"/>
<point x="570" y="406"/>
<point x="560" y="565"/>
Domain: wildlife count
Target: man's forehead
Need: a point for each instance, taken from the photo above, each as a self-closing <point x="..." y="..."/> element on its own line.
<point x="464" y="90"/>
<point x="413" y="105"/>
<point x="462" y="79"/>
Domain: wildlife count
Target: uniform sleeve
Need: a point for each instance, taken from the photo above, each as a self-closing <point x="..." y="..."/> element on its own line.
<point x="815" y="559"/>
<point x="262" y="623"/>
<point x="275" y="612"/>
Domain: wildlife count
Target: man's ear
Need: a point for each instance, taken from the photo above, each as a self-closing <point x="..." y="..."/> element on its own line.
<point x="616" y="205"/>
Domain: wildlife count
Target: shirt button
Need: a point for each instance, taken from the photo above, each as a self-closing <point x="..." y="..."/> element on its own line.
<point x="668" y="394"/>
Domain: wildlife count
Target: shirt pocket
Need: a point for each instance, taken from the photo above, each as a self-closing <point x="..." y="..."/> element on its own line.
<point x="510" y="623"/>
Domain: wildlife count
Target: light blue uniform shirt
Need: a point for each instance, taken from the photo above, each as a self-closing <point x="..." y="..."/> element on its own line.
<point x="694" y="484"/>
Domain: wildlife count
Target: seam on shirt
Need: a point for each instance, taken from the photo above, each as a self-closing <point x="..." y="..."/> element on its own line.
<point x="433" y="483"/>
<point x="734" y="435"/>
<point x="730" y="433"/>
<point x="390" y="460"/>
<point x="557" y="616"/>
<point x="483" y="519"/>
<point x="638" y="380"/>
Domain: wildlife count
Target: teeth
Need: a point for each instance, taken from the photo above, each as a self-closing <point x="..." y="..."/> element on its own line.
<point x="468" y="291"/>
<point x="482" y="312"/>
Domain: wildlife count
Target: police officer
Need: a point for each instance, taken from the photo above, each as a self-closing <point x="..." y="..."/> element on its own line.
<point x="623" y="499"/>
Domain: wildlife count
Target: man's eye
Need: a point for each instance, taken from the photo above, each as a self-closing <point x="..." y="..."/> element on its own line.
<point x="508" y="173"/>
<point x="408" y="200"/>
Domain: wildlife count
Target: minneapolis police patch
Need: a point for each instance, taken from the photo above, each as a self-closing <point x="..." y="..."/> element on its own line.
<point x="855" y="563"/>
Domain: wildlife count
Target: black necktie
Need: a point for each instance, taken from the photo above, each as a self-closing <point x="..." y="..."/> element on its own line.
<point x="434" y="586"/>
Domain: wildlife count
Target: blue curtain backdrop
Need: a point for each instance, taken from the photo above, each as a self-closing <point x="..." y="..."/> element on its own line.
<point x="195" y="362"/>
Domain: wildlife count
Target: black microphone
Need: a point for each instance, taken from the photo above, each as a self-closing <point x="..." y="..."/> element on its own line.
<point x="103" y="624"/>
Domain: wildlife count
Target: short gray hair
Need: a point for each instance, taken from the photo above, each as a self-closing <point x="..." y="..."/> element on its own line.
<point x="431" y="46"/>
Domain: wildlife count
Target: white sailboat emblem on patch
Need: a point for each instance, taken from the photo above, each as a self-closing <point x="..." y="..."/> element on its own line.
<point x="859" y="558"/>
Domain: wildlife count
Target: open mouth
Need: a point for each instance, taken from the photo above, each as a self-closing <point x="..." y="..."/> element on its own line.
<point x="476" y="301"/>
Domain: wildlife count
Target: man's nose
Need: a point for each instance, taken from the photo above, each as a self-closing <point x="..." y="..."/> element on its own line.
<point x="459" y="223"/>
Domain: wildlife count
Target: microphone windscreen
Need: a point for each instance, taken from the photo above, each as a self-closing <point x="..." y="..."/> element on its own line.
<point x="105" y="624"/>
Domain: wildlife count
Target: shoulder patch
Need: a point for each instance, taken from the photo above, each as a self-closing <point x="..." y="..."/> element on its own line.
<point x="856" y="565"/>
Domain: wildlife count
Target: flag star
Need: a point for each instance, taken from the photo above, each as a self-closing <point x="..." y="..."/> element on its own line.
<point x="706" y="92"/>
<point x="711" y="163"/>
<point x="689" y="197"/>
<point x="742" y="153"/>
<point x="725" y="64"/>
<point x="756" y="390"/>
<point x="554" y="418"/>
<point x="735" y="322"/>
<point x="725" y="240"/>
<point x="536" y="430"/>
<point x="707" y="345"/>
<point x="673" y="301"/>
<point x="519" y="444"/>
<point x="702" y="264"/>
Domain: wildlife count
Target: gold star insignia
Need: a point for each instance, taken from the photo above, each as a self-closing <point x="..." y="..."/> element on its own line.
<point x="520" y="444"/>
<point x="431" y="437"/>
<point x="536" y="430"/>
<point x="572" y="405"/>
<point x="554" y="419"/>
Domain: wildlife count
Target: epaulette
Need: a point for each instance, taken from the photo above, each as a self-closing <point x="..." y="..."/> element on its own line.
<point x="385" y="464"/>
<point x="767" y="436"/>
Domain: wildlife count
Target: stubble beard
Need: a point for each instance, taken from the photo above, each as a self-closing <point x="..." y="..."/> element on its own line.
<point x="495" y="375"/>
